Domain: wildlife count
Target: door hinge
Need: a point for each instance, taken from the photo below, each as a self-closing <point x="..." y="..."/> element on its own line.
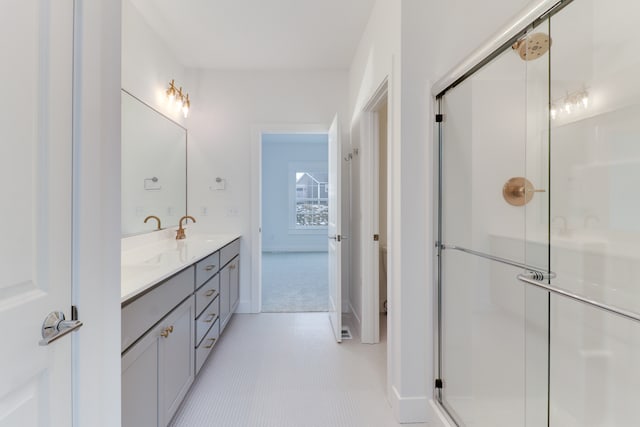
<point x="438" y="383"/>
<point x="74" y="312"/>
<point x="439" y="118"/>
<point x="376" y="237"/>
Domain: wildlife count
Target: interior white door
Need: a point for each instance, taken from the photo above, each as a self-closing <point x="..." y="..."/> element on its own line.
<point x="335" y="238"/>
<point x="36" y="41"/>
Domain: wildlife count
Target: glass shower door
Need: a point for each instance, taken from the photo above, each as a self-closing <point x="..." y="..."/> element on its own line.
<point x="595" y="211"/>
<point x="493" y="337"/>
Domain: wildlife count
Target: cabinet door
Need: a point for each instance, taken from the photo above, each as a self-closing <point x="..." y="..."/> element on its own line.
<point x="225" y="296"/>
<point x="234" y="283"/>
<point x="140" y="382"/>
<point x="176" y="358"/>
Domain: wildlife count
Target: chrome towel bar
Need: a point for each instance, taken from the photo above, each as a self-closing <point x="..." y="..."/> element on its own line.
<point x="530" y="279"/>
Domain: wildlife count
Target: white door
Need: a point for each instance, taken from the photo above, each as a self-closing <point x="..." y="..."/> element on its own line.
<point x="36" y="41"/>
<point x="335" y="238"/>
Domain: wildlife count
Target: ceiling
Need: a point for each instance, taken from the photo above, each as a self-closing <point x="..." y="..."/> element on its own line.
<point x="259" y="34"/>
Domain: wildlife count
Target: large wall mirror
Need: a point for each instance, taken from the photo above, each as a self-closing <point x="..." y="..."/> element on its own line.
<point x="154" y="168"/>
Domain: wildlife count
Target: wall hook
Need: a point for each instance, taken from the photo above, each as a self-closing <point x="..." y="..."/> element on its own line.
<point x="355" y="152"/>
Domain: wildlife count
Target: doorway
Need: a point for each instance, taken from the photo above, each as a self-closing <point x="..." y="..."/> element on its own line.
<point x="374" y="184"/>
<point x="294" y="194"/>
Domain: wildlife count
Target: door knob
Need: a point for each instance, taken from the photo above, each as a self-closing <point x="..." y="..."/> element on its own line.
<point x="55" y="326"/>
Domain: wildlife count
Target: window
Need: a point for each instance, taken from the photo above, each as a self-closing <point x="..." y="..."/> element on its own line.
<point x="311" y="199"/>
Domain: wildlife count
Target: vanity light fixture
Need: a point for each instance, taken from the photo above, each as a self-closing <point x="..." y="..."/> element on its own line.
<point x="570" y="103"/>
<point x="181" y="99"/>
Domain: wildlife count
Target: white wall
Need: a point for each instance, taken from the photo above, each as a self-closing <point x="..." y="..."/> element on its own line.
<point x="415" y="41"/>
<point x="372" y="64"/>
<point x="228" y="105"/>
<point x="279" y="154"/>
<point x="96" y="216"/>
<point x="148" y="65"/>
<point x="435" y="36"/>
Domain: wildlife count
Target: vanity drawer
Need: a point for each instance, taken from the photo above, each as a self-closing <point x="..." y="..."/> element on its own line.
<point x="208" y="317"/>
<point x="228" y="252"/>
<point x="207" y="293"/>
<point x="141" y="314"/>
<point x="206" y="268"/>
<point x="203" y="350"/>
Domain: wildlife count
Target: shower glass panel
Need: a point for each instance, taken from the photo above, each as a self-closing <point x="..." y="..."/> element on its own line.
<point x="494" y="331"/>
<point x="595" y="212"/>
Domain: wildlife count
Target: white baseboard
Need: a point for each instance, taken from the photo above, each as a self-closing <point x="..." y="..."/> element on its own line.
<point x="278" y="249"/>
<point x="437" y="416"/>
<point x="244" y="307"/>
<point x="414" y="409"/>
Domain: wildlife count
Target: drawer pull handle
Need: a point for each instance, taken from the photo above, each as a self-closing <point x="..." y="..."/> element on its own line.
<point x="212" y="341"/>
<point x="210" y="293"/>
<point x="166" y="331"/>
<point x="210" y="318"/>
<point x="232" y="267"/>
<point x="210" y="267"/>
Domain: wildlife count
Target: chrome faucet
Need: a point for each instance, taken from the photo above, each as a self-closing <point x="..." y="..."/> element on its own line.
<point x="180" y="232"/>
<point x="153" y="217"/>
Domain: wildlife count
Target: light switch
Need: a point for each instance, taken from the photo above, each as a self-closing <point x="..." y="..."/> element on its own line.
<point x="219" y="184"/>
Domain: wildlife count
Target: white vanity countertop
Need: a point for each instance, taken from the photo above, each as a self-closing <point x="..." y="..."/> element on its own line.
<point x="146" y="265"/>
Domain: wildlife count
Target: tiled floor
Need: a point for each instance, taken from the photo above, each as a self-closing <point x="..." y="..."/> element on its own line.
<point x="295" y="282"/>
<point x="285" y="370"/>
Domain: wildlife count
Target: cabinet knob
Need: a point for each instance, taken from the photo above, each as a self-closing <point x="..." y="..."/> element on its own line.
<point x="210" y="267"/>
<point x="212" y="341"/>
<point x="210" y="318"/>
<point x="210" y="293"/>
<point x="166" y="331"/>
<point x="232" y="266"/>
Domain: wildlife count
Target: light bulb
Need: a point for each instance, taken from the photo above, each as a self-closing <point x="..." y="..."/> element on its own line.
<point x="186" y="106"/>
<point x="180" y="100"/>
<point x="585" y="100"/>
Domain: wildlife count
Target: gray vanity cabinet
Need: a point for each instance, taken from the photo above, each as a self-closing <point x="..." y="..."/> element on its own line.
<point x="158" y="370"/>
<point x="229" y="290"/>
<point x="225" y="295"/>
<point x="229" y="281"/>
<point x="176" y="360"/>
<point x="140" y="382"/>
<point x="234" y="284"/>
<point x="169" y="332"/>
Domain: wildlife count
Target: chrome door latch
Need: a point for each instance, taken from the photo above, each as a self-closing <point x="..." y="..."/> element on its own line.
<point x="55" y="326"/>
<point x="539" y="275"/>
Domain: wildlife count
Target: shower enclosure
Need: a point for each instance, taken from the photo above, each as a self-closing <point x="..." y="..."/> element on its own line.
<point x="539" y="222"/>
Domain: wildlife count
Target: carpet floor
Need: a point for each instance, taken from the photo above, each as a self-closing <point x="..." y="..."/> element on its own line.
<point x="295" y="282"/>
